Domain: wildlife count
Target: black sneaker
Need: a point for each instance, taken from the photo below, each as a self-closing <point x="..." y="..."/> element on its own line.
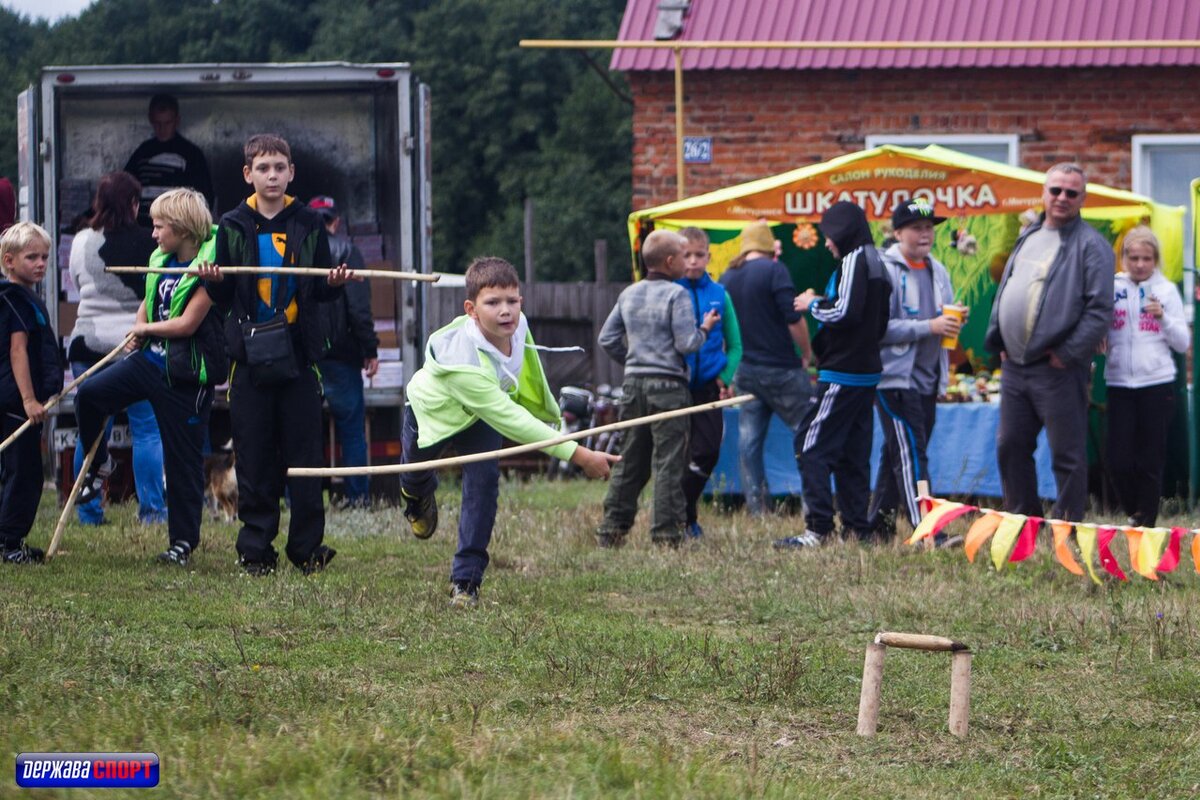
<point x="178" y="554"/>
<point x="258" y="569"/>
<point x="23" y="554"/>
<point x="421" y="513"/>
<point x="464" y="595"/>
<point x="610" y="540"/>
<point x="318" y="560"/>
<point x="93" y="482"/>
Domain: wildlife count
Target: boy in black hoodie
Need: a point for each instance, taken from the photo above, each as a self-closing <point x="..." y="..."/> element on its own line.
<point x="835" y="438"/>
<point x="273" y="334"/>
<point x="30" y="373"/>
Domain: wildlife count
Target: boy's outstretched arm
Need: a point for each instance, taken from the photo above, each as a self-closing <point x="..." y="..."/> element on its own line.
<point x="594" y="463"/>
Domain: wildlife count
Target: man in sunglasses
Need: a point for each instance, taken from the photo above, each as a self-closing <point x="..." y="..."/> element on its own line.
<point x="1053" y="306"/>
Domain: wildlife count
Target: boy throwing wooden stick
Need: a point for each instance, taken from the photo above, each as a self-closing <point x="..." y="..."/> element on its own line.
<point x="482" y="379"/>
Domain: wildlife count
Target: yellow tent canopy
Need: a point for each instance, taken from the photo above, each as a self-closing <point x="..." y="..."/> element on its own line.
<point x="960" y="187"/>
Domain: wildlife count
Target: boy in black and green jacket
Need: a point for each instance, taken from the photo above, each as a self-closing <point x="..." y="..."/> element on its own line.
<point x="177" y="357"/>
<point x="275" y="388"/>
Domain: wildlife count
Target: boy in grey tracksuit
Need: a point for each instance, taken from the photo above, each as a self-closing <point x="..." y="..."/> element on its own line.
<point x="915" y="366"/>
<point x="650" y="330"/>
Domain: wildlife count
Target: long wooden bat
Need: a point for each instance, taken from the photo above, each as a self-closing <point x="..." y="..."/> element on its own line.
<point x="56" y="399"/>
<point x="393" y="469"/>
<point x="314" y="271"/>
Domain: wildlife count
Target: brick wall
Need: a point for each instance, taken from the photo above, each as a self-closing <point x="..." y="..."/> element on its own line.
<point x="766" y="122"/>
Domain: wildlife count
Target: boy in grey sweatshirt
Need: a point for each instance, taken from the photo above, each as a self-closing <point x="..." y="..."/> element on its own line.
<point x="650" y="330"/>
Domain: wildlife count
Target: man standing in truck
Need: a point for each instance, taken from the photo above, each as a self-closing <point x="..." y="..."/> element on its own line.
<point x="167" y="160"/>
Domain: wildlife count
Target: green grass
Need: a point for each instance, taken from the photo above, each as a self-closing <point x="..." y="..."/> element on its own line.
<point x="721" y="670"/>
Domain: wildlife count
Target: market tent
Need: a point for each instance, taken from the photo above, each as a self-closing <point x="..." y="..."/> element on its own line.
<point x="982" y="199"/>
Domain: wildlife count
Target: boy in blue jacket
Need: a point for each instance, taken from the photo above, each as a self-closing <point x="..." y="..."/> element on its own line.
<point x="712" y="370"/>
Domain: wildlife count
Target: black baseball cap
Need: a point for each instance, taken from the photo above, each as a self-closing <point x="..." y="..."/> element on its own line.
<point x="325" y="206"/>
<point x="911" y="211"/>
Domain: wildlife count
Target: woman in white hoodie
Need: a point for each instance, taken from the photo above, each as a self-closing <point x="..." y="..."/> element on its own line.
<point x="1148" y="323"/>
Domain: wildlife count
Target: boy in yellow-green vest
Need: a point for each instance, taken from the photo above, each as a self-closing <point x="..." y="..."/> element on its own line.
<point x="176" y="358"/>
<point x="482" y="380"/>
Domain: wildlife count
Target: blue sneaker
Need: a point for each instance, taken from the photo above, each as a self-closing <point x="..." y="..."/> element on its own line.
<point x="694" y="531"/>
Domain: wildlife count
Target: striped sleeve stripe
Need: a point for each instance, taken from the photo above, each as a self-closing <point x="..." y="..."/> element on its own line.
<point x="838" y="310"/>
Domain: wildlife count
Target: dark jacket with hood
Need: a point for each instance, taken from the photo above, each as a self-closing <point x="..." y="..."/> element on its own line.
<point x="853" y="315"/>
<point x="349" y="324"/>
<point x="237" y="295"/>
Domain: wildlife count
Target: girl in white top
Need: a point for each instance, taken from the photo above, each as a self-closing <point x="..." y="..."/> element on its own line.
<point x="1148" y="324"/>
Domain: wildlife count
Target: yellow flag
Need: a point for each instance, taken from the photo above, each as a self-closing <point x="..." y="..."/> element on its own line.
<point x="1154" y="541"/>
<point x="1005" y="538"/>
<point x="1085" y="535"/>
<point x="929" y="524"/>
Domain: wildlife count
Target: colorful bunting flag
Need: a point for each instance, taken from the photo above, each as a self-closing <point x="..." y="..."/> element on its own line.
<point x="1104" y="537"/>
<point x="1014" y="538"/>
<point x="1170" y="556"/>
<point x="981" y="530"/>
<point x="1005" y="538"/>
<point x="942" y="515"/>
<point x="1062" y="532"/>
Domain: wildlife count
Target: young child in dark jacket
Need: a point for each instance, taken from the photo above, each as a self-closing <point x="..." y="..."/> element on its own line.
<point x="30" y="373"/>
<point x="835" y="438"/>
<point x="650" y="331"/>
<point x="275" y="388"/>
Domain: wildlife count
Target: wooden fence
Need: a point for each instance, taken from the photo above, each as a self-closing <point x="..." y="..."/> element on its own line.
<point x="560" y="315"/>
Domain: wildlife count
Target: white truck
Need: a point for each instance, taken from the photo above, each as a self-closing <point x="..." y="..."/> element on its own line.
<point x="358" y="132"/>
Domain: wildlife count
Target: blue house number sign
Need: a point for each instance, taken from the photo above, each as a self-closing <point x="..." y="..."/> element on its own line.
<point x="697" y="149"/>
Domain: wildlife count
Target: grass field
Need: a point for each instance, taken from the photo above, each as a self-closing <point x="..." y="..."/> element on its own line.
<point x="721" y="670"/>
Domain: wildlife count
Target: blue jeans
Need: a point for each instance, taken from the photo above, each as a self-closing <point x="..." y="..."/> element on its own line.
<point x="780" y="390"/>
<point x="480" y="490"/>
<point x="344" y="391"/>
<point x="147" y="463"/>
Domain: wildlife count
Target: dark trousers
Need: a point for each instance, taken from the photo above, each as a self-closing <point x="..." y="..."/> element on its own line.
<point x="182" y="414"/>
<point x="907" y="418"/>
<point x="704" y="446"/>
<point x="480" y="490"/>
<point x="21" y="474"/>
<point x="275" y="428"/>
<point x="1034" y="396"/>
<point x="1138" y="423"/>
<point x="835" y="441"/>
<point x="659" y="446"/>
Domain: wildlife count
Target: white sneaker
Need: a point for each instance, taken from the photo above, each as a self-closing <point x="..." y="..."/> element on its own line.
<point x="799" y="542"/>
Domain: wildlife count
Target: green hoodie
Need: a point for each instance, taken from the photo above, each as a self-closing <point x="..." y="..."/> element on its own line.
<point x="458" y="385"/>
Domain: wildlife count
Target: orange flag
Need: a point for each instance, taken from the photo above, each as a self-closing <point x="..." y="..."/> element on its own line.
<point x="1133" y="541"/>
<point x="1196" y="551"/>
<point x="981" y="530"/>
<point x="1062" y="533"/>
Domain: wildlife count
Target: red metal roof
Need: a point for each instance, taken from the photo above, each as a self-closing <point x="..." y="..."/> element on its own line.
<point x="911" y="20"/>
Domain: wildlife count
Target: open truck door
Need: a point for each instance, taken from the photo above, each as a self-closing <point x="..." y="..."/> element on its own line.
<point x="358" y="132"/>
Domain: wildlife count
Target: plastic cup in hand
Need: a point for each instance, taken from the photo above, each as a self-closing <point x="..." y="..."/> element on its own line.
<point x="958" y="312"/>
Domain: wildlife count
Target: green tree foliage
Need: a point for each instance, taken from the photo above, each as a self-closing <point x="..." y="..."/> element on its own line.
<point x="507" y="123"/>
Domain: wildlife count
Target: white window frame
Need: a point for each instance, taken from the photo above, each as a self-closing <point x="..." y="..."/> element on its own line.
<point x="1011" y="140"/>
<point x="1141" y="142"/>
